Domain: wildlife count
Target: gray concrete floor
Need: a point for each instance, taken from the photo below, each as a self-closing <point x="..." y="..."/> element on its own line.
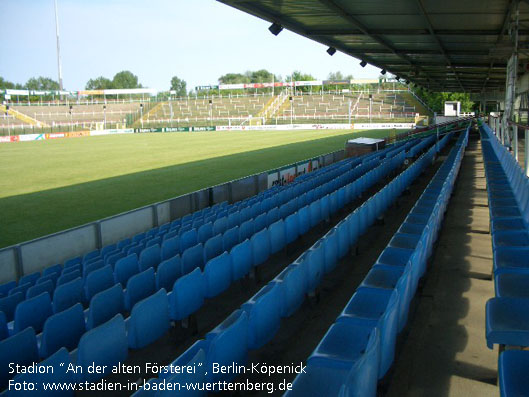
<point x="445" y="352"/>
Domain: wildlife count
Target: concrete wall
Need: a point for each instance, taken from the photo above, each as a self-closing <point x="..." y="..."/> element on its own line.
<point x="37" y="254"/>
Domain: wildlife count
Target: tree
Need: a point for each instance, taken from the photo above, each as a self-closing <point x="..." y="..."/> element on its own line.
<point x="125" y="79"/>
<point x="99" y="83"/>
<point x="42" y="84"/>
<point x="4" y="84"/>
<point x="234" y="78"/>
<point x="337" y="76"/>
<point x="436" y="100"/>
<point x="179" y="85"/>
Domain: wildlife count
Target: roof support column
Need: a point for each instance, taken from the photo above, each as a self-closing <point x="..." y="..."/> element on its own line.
<point x="510" y="85"/>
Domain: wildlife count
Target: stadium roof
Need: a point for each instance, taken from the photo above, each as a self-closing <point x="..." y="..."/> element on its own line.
<point x="448" y="45"/>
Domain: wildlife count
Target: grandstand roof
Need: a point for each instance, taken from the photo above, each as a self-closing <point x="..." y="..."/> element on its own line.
<point x="449" y="45"/>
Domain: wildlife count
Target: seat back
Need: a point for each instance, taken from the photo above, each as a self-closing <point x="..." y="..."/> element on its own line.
<point x="97" y="281"/>
<point x="150" y="257"/>
<point x="105" y="345"/>
<point x="20" y="348"/>
<point x="230" y="238"/>
<point x="260" y="247"/>
<point x="192" y="258"/>
<point x="213" y="247"/>
<point x="168" y="272"/>
<point x="68" y="294"/>
<point x="241" y="259"/>
<point x="105" y="305"/>
<point x="63" y="329"/>
<point x="32" y="313"/>
<point x="170" y="248"/>
<point x="38" y="289"/>
<point x="217" y="275"/>
<point x="149" y="320"/>
<point x="126" y="268"/>
<point x="139" y="287"/>
<point x="187" y="295"/>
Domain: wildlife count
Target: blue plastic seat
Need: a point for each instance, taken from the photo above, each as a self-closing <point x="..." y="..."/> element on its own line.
<point x="378" y="308"/>
<point x="291" y="228"/>
<point x="139" y="287"/>
<point x="20" y="348"/>
<point x="105" y="345"/>
<point x="234" y="219"/>
<point x="57" y="268"/>
<point x="246" y="230"/>
<point x="105" y="305"/>
<point x="314" y="264"/>
<point x="137" y="238"/>
<point x="511" y="260"/>
<point x="220" y="225"/>
<point x="260" y="247"/>
<point x="393" y="278"/>
<point x="507" y="322"/>
<point x="6" y="287"/>
<point x="29" y="278"/>
<point x="512" y="285"/>
<point x="205" y="232"/>
<point x="241" y="259"/>
<point x="228" y="345"/>
<point x="192" y="258"/>
<point x="59" y="362"/>
<point x="4" y="331"/>
<point x="9" y="304"/>
<point x="135" y="249"/>
<point x="63" y="329"/>
<point x="510" y="238"/>
<point x="245" y="214"/>
<point x="149" y="320"/>
<point x="213" y="247"/>
<point x="150" y="257"/>
<point x="187" y="295"/>
<point x="277" y="234"/>
<point x="260" y="223"/>
<point x="188" y="239"/>
<point x="68" y="294"/>
<point x="293" y="285"/>
<point x="32" y="313"/>
<point x="230" y="238"/>
<point x="195" y="358"/>
<point x="23" y="288"/>
<point x="38" y="289"/>
<point x="168" y="272"/>
<point x="264" y="315"/>
<point x="111" y="259"/>
<point x="351" y="351"/>
<point x="315" y="213"/>
<point x="154" y="241"/>
<point x="170" y="248"/>
<point x="513" y="368"/>
<point x="303" y="220"/>
<point x="72" y="262"/>
<point x="126" y="268"/>
<point x="97" y="281"/>
<point x="272" y="216"/>
<point x="256" y="209"/>
<point x="217" y="275"/>
<point x="330" y="248"/>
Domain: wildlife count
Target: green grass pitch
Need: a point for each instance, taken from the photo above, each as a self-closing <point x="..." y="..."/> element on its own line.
<point x="48" y="186"/>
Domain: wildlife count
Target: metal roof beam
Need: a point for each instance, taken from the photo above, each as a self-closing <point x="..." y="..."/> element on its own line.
<point x="439" y="44"/>
<point x="410" y="32"/>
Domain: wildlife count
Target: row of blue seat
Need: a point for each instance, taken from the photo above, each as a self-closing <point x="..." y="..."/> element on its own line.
<point x="211" y="276"/>
<point x="257" y="321"/>
<point x="194" y="256"/>
<point x="507" y="320"/>
<point x="359" y="348"/>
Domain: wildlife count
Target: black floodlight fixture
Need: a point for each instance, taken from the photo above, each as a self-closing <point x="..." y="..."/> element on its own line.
<point x="275" y="29"/>
<point x="383" y="71"/>
<point x="407" y="81"/>
<point x="363" y="64"/>
<point x="331" y="51"/>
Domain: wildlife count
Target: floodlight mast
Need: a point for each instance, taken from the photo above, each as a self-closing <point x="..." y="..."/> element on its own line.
<point x="58" y="47"/>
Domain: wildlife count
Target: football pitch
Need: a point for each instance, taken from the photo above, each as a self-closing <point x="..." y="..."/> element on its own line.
<point x="48" y="186"/>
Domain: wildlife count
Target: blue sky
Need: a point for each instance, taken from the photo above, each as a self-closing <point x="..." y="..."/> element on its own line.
<point x="196" y="40"/>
